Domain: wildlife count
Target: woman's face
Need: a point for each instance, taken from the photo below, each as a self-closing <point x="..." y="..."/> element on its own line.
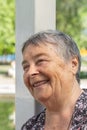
<point x="46" y="74"/>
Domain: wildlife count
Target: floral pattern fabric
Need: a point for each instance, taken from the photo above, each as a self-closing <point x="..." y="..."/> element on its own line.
<point x="78" y="122"/>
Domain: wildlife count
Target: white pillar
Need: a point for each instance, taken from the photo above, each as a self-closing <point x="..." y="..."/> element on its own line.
<point x="31" y="16"/>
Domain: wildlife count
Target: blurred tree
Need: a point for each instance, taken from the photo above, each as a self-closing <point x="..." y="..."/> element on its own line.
<point x="7" y="29"/>
<point x="71" y="16"/>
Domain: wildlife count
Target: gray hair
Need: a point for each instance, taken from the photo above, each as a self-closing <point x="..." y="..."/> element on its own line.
<point x="65" y="46"/>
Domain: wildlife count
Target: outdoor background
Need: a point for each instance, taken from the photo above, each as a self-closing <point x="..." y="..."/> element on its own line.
<point x="7" y="64"/>
<point x="71" y="18"/>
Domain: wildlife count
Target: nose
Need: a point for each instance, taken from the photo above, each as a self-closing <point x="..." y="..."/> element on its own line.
<point x="33" y="70"/>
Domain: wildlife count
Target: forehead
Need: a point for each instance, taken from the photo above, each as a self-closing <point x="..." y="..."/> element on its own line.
<point x="41" y="48"/>
<point x="32" y="53"/>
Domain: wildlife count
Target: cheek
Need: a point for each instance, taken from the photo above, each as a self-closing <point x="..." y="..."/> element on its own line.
<point x="53" y="76"/>
<point x="57" y="74"/>
<point x="55" y="79"/>
<point x="26" y="80"/>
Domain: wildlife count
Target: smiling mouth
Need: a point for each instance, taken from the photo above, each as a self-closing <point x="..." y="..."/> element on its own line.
<point x="40" y="83"/>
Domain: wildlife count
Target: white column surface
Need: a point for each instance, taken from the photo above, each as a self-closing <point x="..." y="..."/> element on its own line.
<point x="31" y="16"/>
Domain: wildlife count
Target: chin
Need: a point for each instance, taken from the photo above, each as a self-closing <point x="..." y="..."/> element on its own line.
<point x="43" y="94"/>
<point x="42" y="99"/>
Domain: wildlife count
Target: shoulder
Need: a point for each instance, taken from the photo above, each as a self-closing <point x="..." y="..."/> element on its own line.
<point x="35" y="121"/>
<point x="82" y="102"/>
<point x="79" y="118"/>
<point x="83" y="98"/>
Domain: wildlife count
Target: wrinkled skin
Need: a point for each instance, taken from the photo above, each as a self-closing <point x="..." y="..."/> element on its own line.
<point x="49" y="78"/>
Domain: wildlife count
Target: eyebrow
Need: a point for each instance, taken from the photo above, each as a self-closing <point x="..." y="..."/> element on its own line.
<point x="36" y="56"/>
<point x="24" y="62"/>
<point x="40" y="54"/>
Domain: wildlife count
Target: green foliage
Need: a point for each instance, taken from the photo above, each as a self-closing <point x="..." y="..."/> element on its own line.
<point x="83" y="75"/>
<point x="71" y="16"/>
<point x="6" y="108"/>
<point x="7" y="33"/>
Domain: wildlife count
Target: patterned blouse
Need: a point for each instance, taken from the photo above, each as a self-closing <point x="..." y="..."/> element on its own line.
<point x="78" y="122"/>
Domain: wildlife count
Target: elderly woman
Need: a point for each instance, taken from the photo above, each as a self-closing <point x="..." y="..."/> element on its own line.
<point x="51" y="64"/>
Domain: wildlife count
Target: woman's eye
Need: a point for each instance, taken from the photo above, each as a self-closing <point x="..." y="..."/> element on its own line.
<point x="25" y="67"/>
<point x="40" y="61"/>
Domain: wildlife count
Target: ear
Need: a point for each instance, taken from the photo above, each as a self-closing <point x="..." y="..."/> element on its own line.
<point x="75" y="64"/>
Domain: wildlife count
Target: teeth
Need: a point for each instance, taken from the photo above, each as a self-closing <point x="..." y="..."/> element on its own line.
<point x="39" y="83"/>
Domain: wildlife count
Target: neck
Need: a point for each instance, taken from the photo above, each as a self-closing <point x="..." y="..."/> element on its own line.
<point x="56" y="120"/>
<point x="66" y="100"/>
<point x="63" y="110"/>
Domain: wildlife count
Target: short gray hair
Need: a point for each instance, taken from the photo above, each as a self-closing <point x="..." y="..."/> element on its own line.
<point x="65" y="45"/>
